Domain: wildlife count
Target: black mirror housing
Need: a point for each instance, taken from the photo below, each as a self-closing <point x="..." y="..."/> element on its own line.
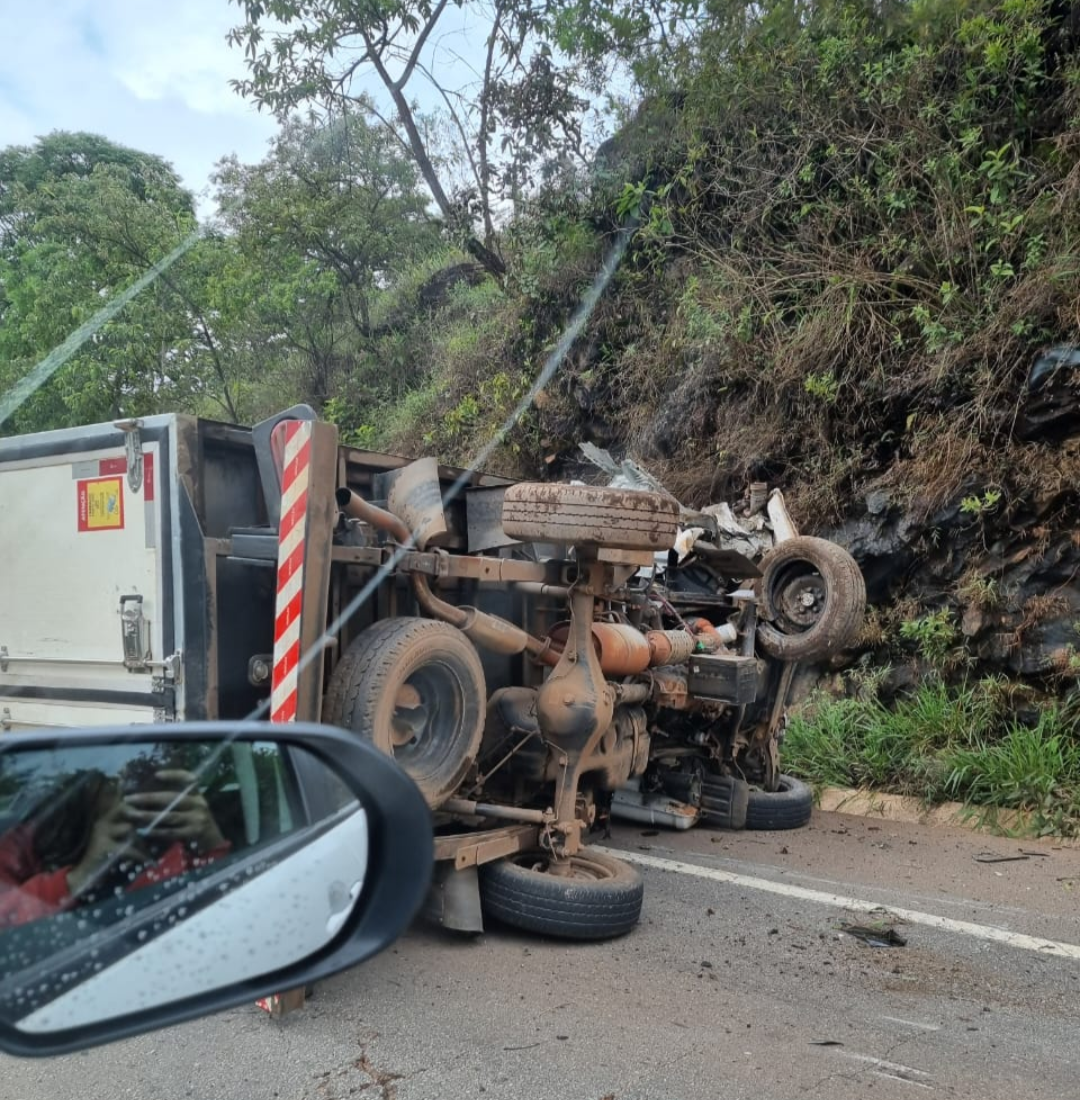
<point x="296" y="827"/>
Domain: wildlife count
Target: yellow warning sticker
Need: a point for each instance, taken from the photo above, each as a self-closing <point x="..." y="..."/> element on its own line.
<point x="101" y="504"/>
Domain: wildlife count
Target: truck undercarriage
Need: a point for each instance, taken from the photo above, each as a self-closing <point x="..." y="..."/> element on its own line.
<point x="538" y="657"/>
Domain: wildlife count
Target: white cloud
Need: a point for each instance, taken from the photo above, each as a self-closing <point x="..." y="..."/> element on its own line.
<point x="152" y="74"/>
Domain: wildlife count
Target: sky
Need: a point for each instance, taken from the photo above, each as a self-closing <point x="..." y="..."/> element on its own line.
<point x="150" y="74"/>
<point x="154" y="75"/>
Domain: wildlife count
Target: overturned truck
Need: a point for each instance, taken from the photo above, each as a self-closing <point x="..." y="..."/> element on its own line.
<point x="539" y="657"/>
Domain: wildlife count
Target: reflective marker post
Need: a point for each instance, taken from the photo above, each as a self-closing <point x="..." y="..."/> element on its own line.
<point x="305" y="541"/>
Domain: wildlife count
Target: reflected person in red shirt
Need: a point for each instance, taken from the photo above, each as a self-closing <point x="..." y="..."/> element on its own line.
<point x="93" y="841"/>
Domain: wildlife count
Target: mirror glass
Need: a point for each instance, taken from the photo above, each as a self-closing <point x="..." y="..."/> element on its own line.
<point x="135" y="874"/>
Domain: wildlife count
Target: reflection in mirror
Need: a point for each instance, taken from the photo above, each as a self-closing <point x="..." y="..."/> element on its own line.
<point x="135" y="874"/>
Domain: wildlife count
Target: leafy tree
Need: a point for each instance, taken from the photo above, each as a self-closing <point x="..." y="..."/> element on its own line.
<point x="321" y="226"/>
<point x="341" y="196"/>
<point x="80" y="219"/>
<point x="526" y="103"/>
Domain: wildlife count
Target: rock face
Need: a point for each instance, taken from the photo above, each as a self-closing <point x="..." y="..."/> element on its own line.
<point x="1009" y="584"/>
<point x="1001" y="570"/>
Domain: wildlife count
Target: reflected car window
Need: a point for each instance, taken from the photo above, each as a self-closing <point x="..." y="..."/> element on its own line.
<point x="108" y="851"/>
<point x="80" y="827"/>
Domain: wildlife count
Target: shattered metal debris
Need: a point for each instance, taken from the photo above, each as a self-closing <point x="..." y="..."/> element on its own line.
<point x="875" y="935"/>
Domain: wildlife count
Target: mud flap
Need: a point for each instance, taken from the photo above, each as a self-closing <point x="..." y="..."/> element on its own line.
<point x="454" y="899"/>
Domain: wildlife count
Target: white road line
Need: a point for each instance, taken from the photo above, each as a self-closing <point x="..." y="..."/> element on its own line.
<point x="893" y="1070"/>
<point x="903" y="1080"/>
<point x="911" y="1023"/>
<point x="860" y="905"/>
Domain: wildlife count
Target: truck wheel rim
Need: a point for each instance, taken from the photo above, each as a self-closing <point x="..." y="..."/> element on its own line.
<point x="427" y="716"/>
<point x="581" y="867"/>
<point x="799" y="596"/>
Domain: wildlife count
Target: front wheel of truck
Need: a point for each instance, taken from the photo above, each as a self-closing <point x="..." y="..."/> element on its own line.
<point x="812" y="599"/>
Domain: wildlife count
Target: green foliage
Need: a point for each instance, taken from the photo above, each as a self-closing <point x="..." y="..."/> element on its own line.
<point x="81" y="219"/>
<point x="323" y="227"/>
<point x="873" y="214"/>
<point x="933" y="635"/>
<point x="979" y="505"/>
<point x="856" y="224"/>
<point x="524" y="113"/>
<point x="943" y="743"/>
<point x="1033" y="768"/>
<point x="352" y="432"/>
<point x="822" y="386"/>
<point x="981" y="592"/>
<point x="546" y="248"/>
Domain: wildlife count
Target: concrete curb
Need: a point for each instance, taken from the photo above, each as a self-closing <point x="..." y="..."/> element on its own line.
<point x="894" y="807"/>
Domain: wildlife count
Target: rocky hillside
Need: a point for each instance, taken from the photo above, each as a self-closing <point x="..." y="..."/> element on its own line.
<point x="855" y="275"/>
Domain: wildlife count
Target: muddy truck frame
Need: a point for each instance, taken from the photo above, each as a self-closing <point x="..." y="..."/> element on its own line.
<point x="538" y="657"/>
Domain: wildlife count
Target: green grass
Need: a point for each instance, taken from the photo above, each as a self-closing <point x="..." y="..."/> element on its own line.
<point x="941" y="743"/>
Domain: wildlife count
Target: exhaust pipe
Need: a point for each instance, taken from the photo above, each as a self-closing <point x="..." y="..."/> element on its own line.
<point x="355" y="507"/>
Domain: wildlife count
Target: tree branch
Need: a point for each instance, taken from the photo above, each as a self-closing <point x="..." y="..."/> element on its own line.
<point x="465" y="142"/>
<point x="414" y="57"/>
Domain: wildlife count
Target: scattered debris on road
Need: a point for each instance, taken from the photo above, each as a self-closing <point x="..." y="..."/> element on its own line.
<point x="875" y="937"/>
<point x="879" y="932"/>
<point x="993" y="857"/>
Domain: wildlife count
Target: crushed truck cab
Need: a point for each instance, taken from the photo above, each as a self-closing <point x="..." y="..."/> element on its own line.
<point x="538" y="657"/>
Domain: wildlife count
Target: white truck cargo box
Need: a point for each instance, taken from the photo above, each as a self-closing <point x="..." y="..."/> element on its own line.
<point x="89" y="577"/>
<point x="120" y="597"/>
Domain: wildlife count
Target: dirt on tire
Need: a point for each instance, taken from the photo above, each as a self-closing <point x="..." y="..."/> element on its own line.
<point x="829" y="575"/>
<point x="587" y="515"/>
<point x="600" y="901"/>
<point x="415" y="689"/>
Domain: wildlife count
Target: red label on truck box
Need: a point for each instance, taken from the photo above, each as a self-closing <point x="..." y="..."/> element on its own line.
<point x="119" y="466"/>
<point x="101" y="504"/>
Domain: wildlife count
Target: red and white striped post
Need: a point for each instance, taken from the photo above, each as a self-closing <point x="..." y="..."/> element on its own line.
<point x="292" y="543"/>
<point x="305" y="534"/>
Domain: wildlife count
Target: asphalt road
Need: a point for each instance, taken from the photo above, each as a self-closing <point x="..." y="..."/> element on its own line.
<point x="738" y="983"/>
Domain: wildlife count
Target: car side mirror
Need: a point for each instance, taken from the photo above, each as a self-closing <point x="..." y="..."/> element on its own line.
<point x="153" y="874"/>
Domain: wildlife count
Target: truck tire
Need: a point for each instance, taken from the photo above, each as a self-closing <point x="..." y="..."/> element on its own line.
<point x="415" y="689"/>
<point x="724" y="802"/>
<point x="812" y="599"/>
<point x="599" y="899"/>
<point x="788" y="807"/>
<point x="623" y="519"/>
